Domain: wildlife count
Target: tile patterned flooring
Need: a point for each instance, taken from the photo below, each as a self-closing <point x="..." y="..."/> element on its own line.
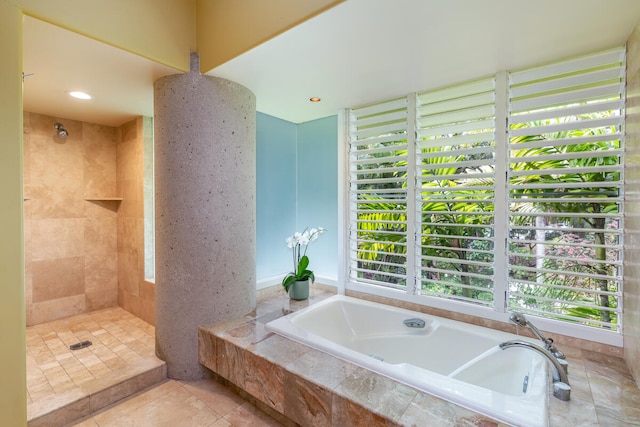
<point x="203" y="403"/>
<point x="119" y="340"/>
<point x="123" y="346"/>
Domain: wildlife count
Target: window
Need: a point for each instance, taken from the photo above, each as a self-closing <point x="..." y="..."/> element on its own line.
<point x="565" y="190"/>
<point x="503" y="193"/>
<point x="378" y="194"/>
<point x="455" y="150"/>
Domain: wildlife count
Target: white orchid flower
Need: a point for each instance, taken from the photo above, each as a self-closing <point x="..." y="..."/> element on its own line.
<point x="304" y="238"/>
<point x="315" y="233"/>
<point x="300" y="259"/>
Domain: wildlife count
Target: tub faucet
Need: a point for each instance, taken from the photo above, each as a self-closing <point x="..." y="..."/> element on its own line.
<point x="561" y="387"/>
<point x="520" y="320"/>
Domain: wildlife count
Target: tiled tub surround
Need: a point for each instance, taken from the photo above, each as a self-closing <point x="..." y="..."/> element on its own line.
<point x="64" y="385"/>
<point x="313" y="388"/>
<point x="453" y="360"/>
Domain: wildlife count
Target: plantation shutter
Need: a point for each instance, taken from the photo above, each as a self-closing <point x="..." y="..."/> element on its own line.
<point x="565" y="190"/>
<point x="455" y="150"/>
<point x="378" y="194"/>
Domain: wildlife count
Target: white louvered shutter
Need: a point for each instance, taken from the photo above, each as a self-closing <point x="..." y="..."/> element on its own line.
<point x="455" y="150"/>
<point x="565" y="190"/>
<point x="378" y="194"/>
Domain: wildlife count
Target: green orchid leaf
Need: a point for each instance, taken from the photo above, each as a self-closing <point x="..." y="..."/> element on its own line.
<point x="288" y="281"/>
<point x="306" y="275"/>
<point x="303" y="264"/>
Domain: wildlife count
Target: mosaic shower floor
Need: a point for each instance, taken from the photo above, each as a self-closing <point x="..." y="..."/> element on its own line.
<point x="57" y="377"/>
<point x="118" y="381"/>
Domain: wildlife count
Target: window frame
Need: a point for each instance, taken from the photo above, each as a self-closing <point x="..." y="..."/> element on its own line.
<point x="499" y="311"/>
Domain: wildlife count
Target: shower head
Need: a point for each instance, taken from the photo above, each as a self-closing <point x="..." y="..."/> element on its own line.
<point x="62" y="132"/>
<point x="519" y="319"/>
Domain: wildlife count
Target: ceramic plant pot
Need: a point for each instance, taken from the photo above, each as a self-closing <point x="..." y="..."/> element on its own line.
<point x="299" y="290"/>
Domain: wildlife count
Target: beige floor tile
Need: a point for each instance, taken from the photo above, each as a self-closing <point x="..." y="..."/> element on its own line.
<point x="54" y="369"/>
<point x="50" y="365"/>
<point x="66" y="356"/>
<point x="89" y="422"/>
<point x="220" y="398"/>
<point x="248" y="415"/>
<point x="58" y="380"/>
<point x="64" y="386"/>
<point x="183" y="404"/>
<point x="37" y="396"/>
<point x="77" y="370"/>
<point x="221" y="423"/>
<point x="176" y="408"/>
<point x="110" y="414"/>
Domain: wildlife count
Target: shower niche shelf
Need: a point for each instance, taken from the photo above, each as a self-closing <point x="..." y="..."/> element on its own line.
<point x="111" y="203"/>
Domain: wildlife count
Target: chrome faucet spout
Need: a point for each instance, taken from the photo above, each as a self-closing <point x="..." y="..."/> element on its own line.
<point x="561" y="387"/>
<point x="520" y="320"/>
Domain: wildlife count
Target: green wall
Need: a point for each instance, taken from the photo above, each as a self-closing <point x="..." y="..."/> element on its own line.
<point x="13" y="387"/>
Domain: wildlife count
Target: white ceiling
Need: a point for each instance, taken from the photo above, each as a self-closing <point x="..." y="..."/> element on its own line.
<point x="60" y="60"/>
<point x="359" y="52"/>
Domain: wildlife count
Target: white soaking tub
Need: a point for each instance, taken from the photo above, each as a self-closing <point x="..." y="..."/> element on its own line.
<point x="453" y="360"/>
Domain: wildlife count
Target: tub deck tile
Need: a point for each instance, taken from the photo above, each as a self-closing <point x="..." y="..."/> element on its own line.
<point x="325" y="370"/>
<point x="278" y="349"/>
<point x="371" y="390"/>
<point x="310" y="387"/>
<point x="428" y="410"/>
<point x="348" y="413"/>
<point x="305" y="402"/>
<point x="264" y="380"/>
<point x="230" y="362"/>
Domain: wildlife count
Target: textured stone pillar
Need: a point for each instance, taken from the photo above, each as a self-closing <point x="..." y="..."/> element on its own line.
<point x="205" y="168"/>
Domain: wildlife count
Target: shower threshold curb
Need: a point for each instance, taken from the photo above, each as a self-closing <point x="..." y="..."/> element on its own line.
<point x="95" y="395"/>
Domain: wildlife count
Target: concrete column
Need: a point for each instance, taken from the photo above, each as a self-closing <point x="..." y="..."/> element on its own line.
<point x="205" y="169"/>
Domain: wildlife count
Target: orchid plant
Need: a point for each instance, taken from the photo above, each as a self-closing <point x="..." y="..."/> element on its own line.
<point x="300" y="258"/>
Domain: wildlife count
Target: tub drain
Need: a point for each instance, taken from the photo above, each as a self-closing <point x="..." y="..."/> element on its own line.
<point x="377" y="357"/>
<point x="80" y="345"/>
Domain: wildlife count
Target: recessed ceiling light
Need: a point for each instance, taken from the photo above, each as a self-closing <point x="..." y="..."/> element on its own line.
<point x="314" y="99"/>
<point x="79" y="95"/>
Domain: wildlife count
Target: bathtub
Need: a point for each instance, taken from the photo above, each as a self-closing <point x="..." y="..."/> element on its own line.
<point x="453" y="360"/>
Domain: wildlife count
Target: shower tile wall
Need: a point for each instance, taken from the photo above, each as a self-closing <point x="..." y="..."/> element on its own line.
<point x="70" y="243"/>
<point x="135" y="294"/>
<point x="83" y="255"/>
